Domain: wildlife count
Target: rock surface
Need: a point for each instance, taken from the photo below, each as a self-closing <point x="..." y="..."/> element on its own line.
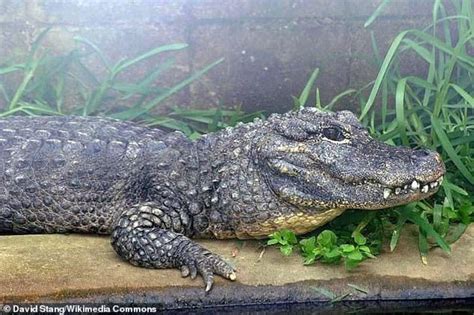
<point x="80" y="268"/>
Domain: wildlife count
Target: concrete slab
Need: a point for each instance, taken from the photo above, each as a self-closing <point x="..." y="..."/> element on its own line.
<point x="85" y="269"/>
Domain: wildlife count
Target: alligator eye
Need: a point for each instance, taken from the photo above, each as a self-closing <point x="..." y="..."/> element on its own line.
<point x="333" y="133"/>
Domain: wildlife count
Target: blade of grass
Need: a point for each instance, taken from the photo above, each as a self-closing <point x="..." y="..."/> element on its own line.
<point x="448" y="148"/>
<point x="383" y="71"/>
<point x="375" y="49"/>
<point x="399" y="109"/>
<point x="307" y="89"/>
<point x="122" y="66"/>
<point x="455" y="233"/>
<point x="144" y="86"/>
<point x="425" y="226"/>
<point x="318" y="99"/>
<point x="423" y="246"/>
<point x="437" y="217"/>
<point x="456" y="188"/>
<point x="12" y="68"/>
<point x="29" y="73"/>
<point x="170" y="123"/>
<point x="96" y="49"/>
<point x="397" y="231"/>
<point x="338" y="97"/>
<point x="134" y="113"/>
<point x="376" y="13"/>
<point x="419" y="49"/>
<point x="4" y="93"/>
<point x="468" y="98"/>
<point x="437" y="43"/>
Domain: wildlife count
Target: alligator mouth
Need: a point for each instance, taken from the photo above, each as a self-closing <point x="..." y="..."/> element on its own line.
<point x="410" y="191"/>
<point x="390" y="195"/>
<point x="414" y="187"/>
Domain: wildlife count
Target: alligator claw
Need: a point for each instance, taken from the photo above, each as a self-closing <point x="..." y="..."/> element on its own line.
<point x="193" y="271"/>
<point x="184" y="271"/>
<point x="207" y="264"/>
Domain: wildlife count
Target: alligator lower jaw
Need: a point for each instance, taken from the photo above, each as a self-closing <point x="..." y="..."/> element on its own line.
<point x="414" y="188"/>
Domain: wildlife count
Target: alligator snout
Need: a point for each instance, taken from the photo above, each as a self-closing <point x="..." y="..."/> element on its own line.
<point x="431" y="158"/>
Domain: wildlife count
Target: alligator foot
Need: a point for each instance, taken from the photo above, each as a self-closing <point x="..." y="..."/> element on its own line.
<point x="140" y="238"/>
<point x="196" y="259"/>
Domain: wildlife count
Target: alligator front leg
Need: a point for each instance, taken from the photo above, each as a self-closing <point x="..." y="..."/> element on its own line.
<point x="141" y="237"/>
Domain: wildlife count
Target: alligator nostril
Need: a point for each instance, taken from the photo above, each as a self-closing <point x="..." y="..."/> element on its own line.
<point x="420" y="154"/>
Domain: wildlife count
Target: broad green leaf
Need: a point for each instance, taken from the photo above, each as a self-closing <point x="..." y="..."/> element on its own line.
<point x="308" y="244"/>
<point x="359" y="238"/>
<point x="272" y="241"/>
<point x="355" y="255"/>
<point x="327" y="238"/>
<point x="334" y="253"/>
<point x="347" y="248"/>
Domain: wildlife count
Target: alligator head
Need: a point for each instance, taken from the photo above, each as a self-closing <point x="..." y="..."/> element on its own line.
<point x="320" y="160"/>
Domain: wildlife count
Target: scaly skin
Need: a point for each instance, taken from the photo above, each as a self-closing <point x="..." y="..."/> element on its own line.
<point x="154" y="191"/>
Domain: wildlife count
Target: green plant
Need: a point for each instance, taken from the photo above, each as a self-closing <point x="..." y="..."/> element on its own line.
<point x="325" y="247"/>
<point x="285" y="239"/>
<point x="47" y="81"/>
<point x="302" y="100"/>
<point x="436" y="111"/>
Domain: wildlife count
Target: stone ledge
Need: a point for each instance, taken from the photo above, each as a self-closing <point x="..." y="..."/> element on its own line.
<point x="84" y="269"/>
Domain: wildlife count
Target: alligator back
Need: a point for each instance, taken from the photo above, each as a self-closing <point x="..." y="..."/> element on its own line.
<point x="68" y="174"/>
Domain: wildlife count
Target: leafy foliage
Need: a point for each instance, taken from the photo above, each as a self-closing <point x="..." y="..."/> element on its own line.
<point x="286" y="240"/>
<point x="324" y="247"/>
<point x="46" y="81"/>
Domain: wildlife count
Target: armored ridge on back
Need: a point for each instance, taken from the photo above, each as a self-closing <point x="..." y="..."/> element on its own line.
<point x="154" y="191"/>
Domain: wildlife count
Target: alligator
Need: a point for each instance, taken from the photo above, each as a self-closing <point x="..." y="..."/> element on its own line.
<point x="154" y="191"/>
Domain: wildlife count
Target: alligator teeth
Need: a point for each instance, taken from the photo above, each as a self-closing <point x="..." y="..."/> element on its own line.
<point x="414" y="186"/>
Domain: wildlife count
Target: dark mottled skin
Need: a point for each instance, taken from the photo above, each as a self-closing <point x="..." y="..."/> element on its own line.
<point x="153" y="191"/>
